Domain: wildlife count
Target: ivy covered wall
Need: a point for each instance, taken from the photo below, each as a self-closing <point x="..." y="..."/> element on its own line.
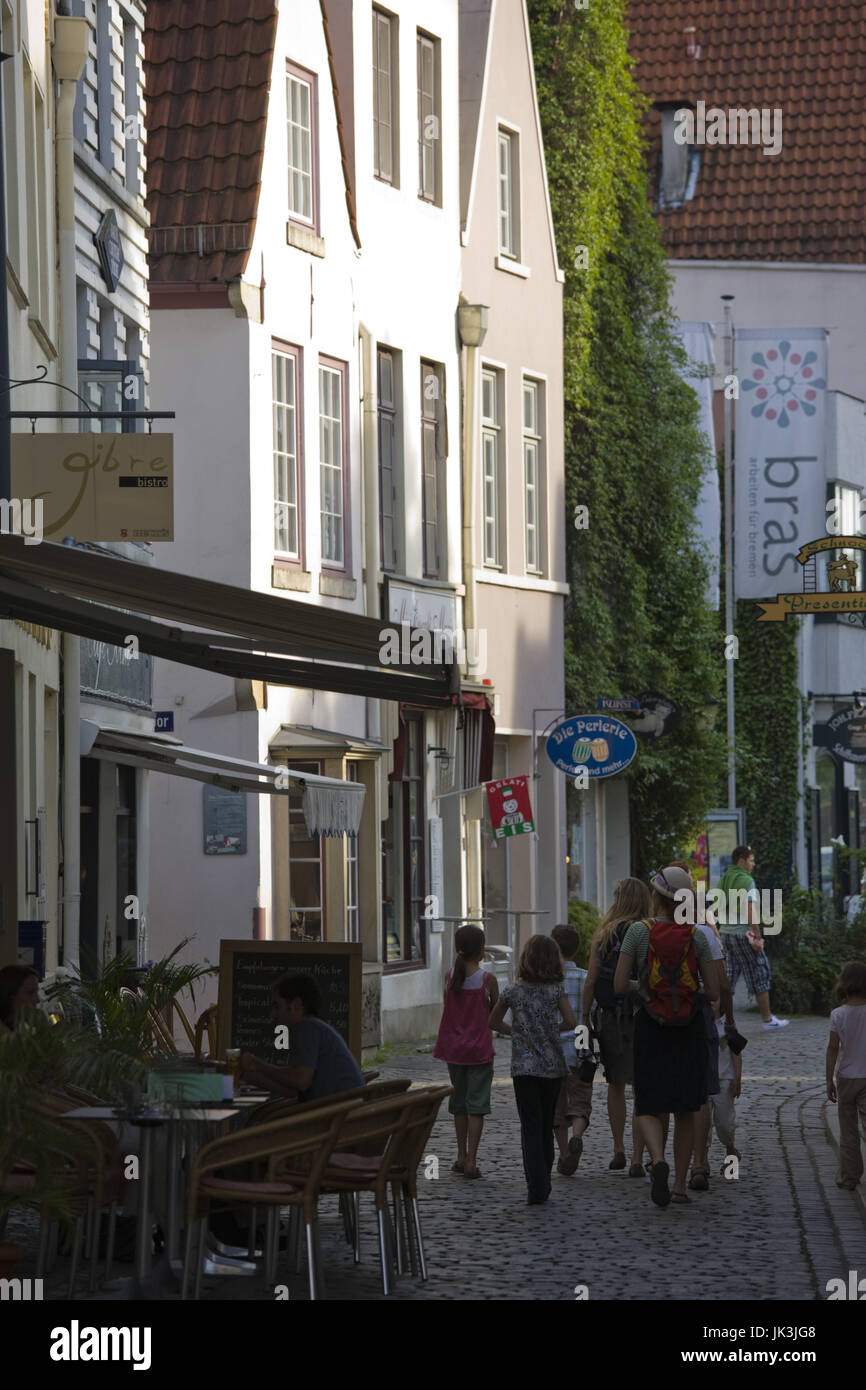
<point x="637" y="618"/>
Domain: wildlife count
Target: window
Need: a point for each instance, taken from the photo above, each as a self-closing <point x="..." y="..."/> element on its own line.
<point x="509" y="194"/>
<point x="306" y="870"/>
<point x="332" y="464"/>
<point x="431" y="466"/>
<point x="131" y="111"/>
<point x="353" y="896"/>
<point x="388" y="458"/>
<point x="491" y="465"/>
<point x="848" y="518"/>
<point x="403" y="858"/>
<point x="532" y="474"/>
<point x="385" y="98"/>
<point x="429" y="120"/>
<point x="680" y="162"/>
<point x="108" y="385"/>
<point x="285" y="395"/>
<point x="104" y="91"/>
<point x="127" y="932"/>
<point x="11" y="103"/>
<point x="301" y="144"/>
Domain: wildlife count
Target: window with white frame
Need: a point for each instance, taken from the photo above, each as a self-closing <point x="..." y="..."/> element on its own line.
<point x="509" y="194"/>
<point x="286" y="440"/>
<point x="533" y="463"/>
<point x="429" y="119"/>
<point x="301" y="138"/>
<point x="848" y="518"/>
<point x="332" y="463"/>
<point x="492" y="451"/>
<point x="11" y="105"/>
<point x="385" y="97"/>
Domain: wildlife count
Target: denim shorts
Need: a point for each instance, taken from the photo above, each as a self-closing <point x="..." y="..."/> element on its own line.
<point x="471" y="1094"/>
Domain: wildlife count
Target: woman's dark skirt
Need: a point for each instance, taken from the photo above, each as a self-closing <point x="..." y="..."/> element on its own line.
<point x="670" y="1065"/>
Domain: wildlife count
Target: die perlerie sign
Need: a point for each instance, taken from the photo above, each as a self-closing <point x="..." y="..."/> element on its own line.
<point x="602" y="745"/>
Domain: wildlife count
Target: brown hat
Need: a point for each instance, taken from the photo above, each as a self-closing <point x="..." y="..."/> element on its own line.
<point x="671" y="881"/>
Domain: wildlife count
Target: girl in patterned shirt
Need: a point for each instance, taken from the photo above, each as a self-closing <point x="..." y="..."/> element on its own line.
<point x="539" y="1008"/>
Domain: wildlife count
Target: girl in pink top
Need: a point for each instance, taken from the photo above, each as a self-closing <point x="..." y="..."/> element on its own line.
<point x="465" y="1042"/>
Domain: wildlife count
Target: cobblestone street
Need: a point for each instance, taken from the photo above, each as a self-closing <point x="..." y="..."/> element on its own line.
<point x="779" y="1232"/>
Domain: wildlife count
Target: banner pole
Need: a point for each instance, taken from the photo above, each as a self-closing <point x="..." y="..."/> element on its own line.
<point x="729" y="549"/>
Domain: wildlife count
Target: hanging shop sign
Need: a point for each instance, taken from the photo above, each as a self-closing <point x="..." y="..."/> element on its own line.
<point x="596" y="742"/>
<point x="779" y="465"/>
<point x="615" y="705"/>
<point x="844" y="735"/>
<point x="225" y="821"/>
<point x="657" y="716"/>
<point x="510" y="807"/>
<point x="97" y="487"/>
<point x="825" y="561"/>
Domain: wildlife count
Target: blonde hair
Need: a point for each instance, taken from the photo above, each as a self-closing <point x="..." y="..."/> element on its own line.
<point x="631" y="902"/>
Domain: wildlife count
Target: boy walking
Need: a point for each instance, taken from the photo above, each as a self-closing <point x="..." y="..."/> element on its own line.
<point x="741" y="934"/>
<point x="574" y="1104"/>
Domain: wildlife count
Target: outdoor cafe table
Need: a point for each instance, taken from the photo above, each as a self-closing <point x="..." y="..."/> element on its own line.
<point x="199" y="1112"/>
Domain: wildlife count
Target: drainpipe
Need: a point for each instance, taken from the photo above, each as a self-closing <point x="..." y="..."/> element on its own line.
<point x="370" y="499"/>
<point x="69" y="55"/>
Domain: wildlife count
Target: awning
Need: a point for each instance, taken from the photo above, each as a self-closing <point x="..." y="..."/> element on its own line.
<point x="331" y="806"/>
<point x="307" y="738"/>
<point x="236" y="632"/>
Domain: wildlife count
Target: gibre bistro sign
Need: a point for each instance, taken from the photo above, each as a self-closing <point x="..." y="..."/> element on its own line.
<point x="98" y="487"/>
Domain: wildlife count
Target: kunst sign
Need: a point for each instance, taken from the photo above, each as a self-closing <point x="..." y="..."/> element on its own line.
<point x="98" y="487"/>
<point x="602" y="745"/>
<point x="779" y="460"/>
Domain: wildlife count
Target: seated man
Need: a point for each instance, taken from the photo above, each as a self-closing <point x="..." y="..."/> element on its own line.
<point x="319" y="1063"/>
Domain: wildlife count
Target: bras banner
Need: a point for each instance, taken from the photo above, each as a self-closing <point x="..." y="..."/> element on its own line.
<point x="779" y="441"/>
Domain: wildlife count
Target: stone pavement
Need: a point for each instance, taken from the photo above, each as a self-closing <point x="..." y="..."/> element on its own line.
<point x="778" y="1232"/>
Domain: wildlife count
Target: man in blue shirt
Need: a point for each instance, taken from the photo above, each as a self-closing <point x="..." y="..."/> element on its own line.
<point x="320" y="1063"/>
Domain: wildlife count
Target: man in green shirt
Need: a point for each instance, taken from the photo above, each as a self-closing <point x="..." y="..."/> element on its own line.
<point x="741" y="933"/>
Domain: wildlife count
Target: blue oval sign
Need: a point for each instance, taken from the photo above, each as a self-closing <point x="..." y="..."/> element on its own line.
<point x="602" y="745"/>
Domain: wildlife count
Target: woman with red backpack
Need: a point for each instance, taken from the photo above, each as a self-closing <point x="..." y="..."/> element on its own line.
<point x="614" y="1017"/>
<point x="672" y="962"/>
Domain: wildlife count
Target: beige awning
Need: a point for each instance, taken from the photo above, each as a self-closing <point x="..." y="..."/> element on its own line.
<point x="331" y="806"/>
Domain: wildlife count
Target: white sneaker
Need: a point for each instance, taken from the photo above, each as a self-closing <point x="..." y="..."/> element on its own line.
<point x="776" y="1023"/>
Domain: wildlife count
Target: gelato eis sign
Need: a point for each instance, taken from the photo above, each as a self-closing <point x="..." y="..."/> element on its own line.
<point x="601" y="745"/>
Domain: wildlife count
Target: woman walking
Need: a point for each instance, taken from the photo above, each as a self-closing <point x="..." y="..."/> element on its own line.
<point x="539" y="1007"/>
<point x="614" y="1019"/>
<point x="672" y="961"/>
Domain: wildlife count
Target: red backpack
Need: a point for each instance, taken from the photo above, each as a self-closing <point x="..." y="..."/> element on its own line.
<point x="671" y="984"/>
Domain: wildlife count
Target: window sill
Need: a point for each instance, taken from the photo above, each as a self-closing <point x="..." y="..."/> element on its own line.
<point x="282" y="577"/>
<point x="402" y="967"/>
<point x="513" y="267"/>
<point x="336" y="586"/>
<point x="305" y="239"/>
<point x="521" y="581"/>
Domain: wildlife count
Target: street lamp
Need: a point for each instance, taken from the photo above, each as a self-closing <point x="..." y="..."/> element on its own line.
<point x="472" y="324"/>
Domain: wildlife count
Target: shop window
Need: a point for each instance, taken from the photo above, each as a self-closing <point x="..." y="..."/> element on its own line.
<point x="306" y="871"/>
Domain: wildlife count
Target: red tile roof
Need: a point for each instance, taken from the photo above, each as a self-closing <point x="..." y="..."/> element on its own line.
<point x="207" y="75"/>
<point x="807" y="57"/>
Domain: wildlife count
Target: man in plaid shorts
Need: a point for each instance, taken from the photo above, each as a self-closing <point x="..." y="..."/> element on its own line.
<point x="744" y="954"/>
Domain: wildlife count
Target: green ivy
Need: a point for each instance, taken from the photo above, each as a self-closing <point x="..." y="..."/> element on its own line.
<point x="767" y="708"/>
<point x="637" y="618"/>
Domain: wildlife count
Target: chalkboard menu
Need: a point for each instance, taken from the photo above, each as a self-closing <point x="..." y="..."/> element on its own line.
<point x="225" y="821"/>
<point x="250" y="969"/>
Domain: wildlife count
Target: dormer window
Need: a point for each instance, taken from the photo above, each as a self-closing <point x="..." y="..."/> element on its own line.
<point x="680" y="160"/>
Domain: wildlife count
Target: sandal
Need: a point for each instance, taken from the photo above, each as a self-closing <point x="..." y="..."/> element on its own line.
<point x="472" y="1172"/>
<point x="660" y="1174"/>
<point x="700" y="1180"/>
<point x="618" y="1161"/>
<point x="636" y="1170"/>
<point x="680" y="1199"/>
<point x="457" y="1167"/>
